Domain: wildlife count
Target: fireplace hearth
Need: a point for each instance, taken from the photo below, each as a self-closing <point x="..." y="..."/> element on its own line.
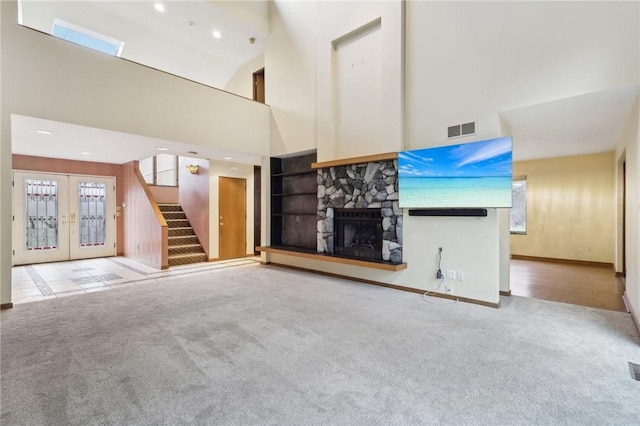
<point x="358" y="233"/>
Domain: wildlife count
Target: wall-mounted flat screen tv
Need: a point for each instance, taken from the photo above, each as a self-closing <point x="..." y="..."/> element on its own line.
<point x="469" y="175"/>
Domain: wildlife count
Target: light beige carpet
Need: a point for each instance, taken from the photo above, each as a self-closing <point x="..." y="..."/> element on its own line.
<point x="264" y="345"/>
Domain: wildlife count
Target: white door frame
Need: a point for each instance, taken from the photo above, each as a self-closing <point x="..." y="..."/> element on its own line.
<point x="69" y="219"/>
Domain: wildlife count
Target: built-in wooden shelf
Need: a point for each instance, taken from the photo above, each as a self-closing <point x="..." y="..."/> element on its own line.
<point x="355" y="160"/>
<point x="386" y="266"/>
<point x="294" y="201"/>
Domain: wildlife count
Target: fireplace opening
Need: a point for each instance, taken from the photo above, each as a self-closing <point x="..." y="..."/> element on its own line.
<point x="358" y="233"/>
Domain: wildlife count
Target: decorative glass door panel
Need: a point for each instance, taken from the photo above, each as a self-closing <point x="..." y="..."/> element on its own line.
<point x="62" y="217"/>
<point x="92" y="216"/>
<point x="40" y="218"/>
<point x="42" y="214"/>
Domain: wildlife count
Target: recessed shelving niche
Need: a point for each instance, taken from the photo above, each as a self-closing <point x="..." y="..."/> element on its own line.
<point x="294" y="188"/>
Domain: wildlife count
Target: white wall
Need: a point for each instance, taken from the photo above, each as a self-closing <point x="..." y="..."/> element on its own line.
<point x="241" y="83"/>
<point x="629" y="147"/>
<point x="357" y="103"/>
<point x="290" y="78"/>
<point x="458" y="237"/>
<point x="306" y="83"/>
<point x="5" y="189"/>
<point x="504" y="251"/>
<point x="375" y="76"/>
<point x="234" y="170"/>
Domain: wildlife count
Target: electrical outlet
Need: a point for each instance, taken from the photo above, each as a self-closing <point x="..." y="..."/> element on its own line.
<point x="448" y="289"/>
<point x="451" y="274"/>
<point x="588" y="248"/>
<point x="460" y="276"/>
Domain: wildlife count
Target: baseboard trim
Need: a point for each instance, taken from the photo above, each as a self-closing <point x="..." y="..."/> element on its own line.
<point x="6" y="306"/>
<point x="217" y="259"/>
<point x="505" y="293"/>
<point x="634" y="317"/>
<point x="620" y="274"/>
<point x="381" y="284"/>
<point x="566" y="261"/>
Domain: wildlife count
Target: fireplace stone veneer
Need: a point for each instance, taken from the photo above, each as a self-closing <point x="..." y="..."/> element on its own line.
<point x="372" y="185"/>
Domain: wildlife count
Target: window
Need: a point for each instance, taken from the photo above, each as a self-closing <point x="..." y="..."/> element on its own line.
<point x="86" y="38"/>
<point x="147" y="167"/>
<point x="161" y="170"/>
<point x="166" y="170"/>
<point x="519" y="205"/>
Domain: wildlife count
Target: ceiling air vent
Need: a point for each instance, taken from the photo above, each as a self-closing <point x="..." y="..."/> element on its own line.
<point x="461" y="130"/>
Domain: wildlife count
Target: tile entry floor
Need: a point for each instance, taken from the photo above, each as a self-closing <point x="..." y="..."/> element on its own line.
<point x="43" y="281"/>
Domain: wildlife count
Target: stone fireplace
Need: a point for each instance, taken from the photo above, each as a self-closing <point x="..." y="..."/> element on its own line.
<point x="369" y="188"/>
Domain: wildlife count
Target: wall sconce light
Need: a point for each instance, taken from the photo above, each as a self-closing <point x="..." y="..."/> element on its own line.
<point x="193" y="169"/>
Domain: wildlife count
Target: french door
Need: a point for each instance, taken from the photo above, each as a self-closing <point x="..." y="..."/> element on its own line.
<point x="62" y="217"/>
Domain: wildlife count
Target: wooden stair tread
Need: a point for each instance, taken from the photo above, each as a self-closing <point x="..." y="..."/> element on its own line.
<point x="186" y="242"/>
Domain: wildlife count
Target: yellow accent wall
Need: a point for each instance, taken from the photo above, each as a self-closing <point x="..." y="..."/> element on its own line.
<point x="570" y="208"/>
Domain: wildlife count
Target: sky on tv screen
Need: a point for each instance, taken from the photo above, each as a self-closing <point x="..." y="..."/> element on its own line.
<point x="476" y="174"/>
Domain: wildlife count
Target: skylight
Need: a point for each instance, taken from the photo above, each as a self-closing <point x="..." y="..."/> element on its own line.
<point x="87" y="38"/>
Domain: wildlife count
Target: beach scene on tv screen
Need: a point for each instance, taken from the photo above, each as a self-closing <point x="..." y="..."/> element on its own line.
<point x="469" y="175"/>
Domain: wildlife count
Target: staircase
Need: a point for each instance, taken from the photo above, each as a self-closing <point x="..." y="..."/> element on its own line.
<point x="184" y="247"/>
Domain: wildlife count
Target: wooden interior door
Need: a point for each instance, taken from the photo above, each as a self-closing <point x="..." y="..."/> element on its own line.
<point x="258" y="86"/>
<point x="257" y="208"/>
<point x="232" y="202"/>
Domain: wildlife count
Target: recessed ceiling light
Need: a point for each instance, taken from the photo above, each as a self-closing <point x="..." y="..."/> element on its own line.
<point x="44" y="132"/>
<point x="159" y="7"/>
<point x="216" y="34"/>
<point x="227" y="158"/>
<point x="163" y="149"/>
<point x="85" y="153"/>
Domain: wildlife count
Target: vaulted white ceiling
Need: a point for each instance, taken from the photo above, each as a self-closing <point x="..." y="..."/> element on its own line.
<point x="584" y="124"/>
<point x="179" y="41"/>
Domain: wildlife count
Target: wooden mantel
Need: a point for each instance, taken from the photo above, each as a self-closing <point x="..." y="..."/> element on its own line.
<point x="355" y="160"/>
<point x="328" y="258"/>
